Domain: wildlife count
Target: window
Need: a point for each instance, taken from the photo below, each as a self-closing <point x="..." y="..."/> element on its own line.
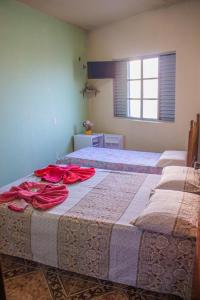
<point x="145" y="88"/>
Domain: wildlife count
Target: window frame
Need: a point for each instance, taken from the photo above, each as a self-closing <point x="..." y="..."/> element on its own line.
<point x="129" y="99"/>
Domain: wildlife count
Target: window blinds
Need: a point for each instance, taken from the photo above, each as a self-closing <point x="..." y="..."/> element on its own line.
<point x="167" y="88"/>
<point x="120" y="89"/>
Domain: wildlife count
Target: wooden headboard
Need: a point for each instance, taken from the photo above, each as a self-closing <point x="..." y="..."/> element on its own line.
<point x="193" y="142"/>
<point x="196" y="273"/>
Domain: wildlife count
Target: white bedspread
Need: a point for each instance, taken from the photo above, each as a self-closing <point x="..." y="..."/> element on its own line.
<point x="114" y="159"/>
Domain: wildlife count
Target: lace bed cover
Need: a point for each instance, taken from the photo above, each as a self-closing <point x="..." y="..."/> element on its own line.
<point x="90" y="233"/>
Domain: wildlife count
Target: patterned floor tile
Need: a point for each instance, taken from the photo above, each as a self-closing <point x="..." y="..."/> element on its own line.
<point x="10" y="262"/>
<point x="55" y="285"/>
<point x="76" y="285"/>
<point x="20" y="270"/>
<point x="140" y="294"/>
<point x="26" y="280"/>
<point x="91" y="293"/>
<point x="32" y="264"/>
<point x="115" y="295"/>
<point x="28" y="287"/>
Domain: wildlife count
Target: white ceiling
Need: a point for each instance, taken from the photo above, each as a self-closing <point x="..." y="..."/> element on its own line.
<point x="90" y="14"/>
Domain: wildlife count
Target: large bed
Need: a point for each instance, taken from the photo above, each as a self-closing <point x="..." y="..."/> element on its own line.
<point x="90" y="233"/>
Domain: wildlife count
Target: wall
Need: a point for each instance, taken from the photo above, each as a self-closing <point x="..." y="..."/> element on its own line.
<point x="173" y="28"/>
<point x="40" y="81"/>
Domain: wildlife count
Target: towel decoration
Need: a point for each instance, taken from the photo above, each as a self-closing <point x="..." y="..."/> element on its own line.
<point x="39" y="195"/>
<point x="44" y="196"/>
<point x="67" y="174"/>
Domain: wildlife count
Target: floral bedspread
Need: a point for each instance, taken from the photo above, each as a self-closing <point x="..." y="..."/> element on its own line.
<point x="90" y="233"/>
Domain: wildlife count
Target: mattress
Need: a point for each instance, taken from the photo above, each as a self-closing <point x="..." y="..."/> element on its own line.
<point x="114" y="159"/>
<point x="90" y="233"/>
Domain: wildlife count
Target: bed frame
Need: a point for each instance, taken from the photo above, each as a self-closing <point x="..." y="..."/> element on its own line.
<point x="192" y="157"/>
<point x="193" y="142"/>
<point x="196" y="276"/>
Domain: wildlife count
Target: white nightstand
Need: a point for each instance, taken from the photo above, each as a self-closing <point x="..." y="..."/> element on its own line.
<point x="84" y="140"/>
<point x="114" y="141"/>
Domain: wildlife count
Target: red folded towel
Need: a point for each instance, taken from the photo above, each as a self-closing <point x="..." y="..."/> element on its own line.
<point x="69" y="174"/>
<point x="39" y="195"/>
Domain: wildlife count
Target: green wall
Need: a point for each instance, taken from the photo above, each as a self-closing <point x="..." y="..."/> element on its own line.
<point x="41" y="106"/>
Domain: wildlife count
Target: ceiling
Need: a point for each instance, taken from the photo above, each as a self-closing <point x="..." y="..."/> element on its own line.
<point x="91" y="14"/>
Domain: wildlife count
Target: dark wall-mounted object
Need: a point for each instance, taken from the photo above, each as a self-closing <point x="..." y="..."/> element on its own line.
<point x="101" y="69"/>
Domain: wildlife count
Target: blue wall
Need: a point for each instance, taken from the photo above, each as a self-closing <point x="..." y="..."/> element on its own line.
<point x="41" y="106"/>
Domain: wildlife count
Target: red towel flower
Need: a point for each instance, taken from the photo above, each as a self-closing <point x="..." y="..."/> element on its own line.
<point x="39" y="195"/>
<point x="69" y="174"/>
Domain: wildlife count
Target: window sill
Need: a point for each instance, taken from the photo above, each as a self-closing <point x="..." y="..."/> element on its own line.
<point x="144" y="120"/>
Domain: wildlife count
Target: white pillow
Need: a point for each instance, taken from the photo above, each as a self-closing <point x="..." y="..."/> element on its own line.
<point x="170" y="212"/>
<point x="180" y="179"/>
<point x="172" y="158"/>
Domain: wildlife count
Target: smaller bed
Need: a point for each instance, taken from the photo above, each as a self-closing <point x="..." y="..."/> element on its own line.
<point x="114" y="159"/>
<point x="125" y="160"/>
<point x="136" y="161"/>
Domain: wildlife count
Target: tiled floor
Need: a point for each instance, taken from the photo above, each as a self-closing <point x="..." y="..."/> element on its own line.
<point x="26" y="280"/>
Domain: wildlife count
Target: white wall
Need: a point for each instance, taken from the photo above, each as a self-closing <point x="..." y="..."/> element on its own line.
<point x="173" y="28"/>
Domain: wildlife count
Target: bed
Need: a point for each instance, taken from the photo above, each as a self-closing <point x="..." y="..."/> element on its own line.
<point x="114" y="159"/>
<point x="136" y="161"/>
<point x="125" y="160"/>
<point x="90" y="233"/>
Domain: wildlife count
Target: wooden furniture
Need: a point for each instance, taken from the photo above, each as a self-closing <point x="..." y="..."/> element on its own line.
<point x="192" y="155"/>
<point x="193" y="142"/>
<point x="196" y="275"/>
<point x="2" y="290"/>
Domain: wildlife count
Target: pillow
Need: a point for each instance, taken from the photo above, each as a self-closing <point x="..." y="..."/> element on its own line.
<point x="172" y="158"/>
<point x="170" y="212"/>
<point x="180" y="179"/>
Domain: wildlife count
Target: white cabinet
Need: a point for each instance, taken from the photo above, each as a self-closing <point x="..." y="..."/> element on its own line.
<point x="114" y="141"/>
<point x="83" y="140"/>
